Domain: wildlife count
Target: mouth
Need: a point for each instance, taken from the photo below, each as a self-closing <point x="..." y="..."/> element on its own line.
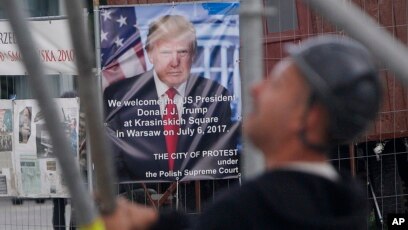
<point x="173" y="73"/>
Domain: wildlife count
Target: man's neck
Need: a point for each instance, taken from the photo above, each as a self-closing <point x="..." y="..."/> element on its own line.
<point x="161" y="87"/>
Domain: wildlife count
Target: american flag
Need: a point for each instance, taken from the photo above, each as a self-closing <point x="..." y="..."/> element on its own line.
<point x="121" y="47"/>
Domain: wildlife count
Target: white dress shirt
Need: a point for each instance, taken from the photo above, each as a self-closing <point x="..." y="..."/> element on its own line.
<point x="325" y="169"/>
<point x="162" y="88"/>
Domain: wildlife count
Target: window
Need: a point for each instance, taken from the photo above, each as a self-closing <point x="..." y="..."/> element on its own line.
<point x="38" y="8"/>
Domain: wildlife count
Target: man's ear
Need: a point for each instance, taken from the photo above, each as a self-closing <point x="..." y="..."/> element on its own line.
<point x="317" y="122"/>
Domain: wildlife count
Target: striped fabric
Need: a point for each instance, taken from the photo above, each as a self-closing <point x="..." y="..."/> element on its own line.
<point x="121" y="47"/>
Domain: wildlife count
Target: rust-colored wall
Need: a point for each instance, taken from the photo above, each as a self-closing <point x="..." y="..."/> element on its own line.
<point x="392" y="14"/>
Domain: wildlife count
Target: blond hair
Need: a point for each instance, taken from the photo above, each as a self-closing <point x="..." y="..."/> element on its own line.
<point x="171" y="26"/>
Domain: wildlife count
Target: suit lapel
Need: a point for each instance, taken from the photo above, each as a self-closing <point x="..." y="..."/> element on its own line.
<point x="149" y="92"/>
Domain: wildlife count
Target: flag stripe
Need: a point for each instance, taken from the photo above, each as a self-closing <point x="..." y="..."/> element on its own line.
<point x="122" y="54"/>
<point x="130" y="63"/>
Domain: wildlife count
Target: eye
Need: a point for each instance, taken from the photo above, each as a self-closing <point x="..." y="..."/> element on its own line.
<point x="182" y="53"/>
<point x="165" y="52"/>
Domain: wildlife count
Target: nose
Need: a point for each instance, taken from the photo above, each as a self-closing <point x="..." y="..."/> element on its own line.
<point x="175" y="59"/>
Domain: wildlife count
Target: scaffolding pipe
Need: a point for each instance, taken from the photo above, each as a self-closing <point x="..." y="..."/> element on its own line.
<point x="81" y="199"/>
<point x="252" y="70"/>
<point x="377" y="208"/>
<point x="90" y="95"/>
<point x="363" y="28"/>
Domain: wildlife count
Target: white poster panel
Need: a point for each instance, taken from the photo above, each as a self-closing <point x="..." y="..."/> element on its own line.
<point x="53" y="43"/>
<point x="7" y="173"/>
<point x="37" y="169"/>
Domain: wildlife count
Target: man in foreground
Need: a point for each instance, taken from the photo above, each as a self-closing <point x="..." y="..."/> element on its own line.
<point x="325" y="93"/>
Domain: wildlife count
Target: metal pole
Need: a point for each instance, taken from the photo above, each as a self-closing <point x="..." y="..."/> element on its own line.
<point x="96" y="3"/>
<point x="352" y="152"/>
<point x="89" y="163"/>
<point x="364" y="29"/>
<point x="97" y="36"/>
<point x="252" y="63"/>
<point x="177" y="194"/>
<point x="98" y="71"/>
<point x="81" y="199"/>
<point x="377" y="208"/>
<point x="90" y="94"/>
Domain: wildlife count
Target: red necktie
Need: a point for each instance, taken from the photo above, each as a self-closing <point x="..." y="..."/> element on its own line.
<point x="171" y="116"/>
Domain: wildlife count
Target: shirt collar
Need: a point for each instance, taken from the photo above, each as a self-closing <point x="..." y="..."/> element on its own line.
<point x="324" y="169"/>
<point x="161" y="87"/>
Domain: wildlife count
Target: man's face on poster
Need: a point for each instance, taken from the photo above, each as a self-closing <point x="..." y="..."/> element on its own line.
<point x="172" y="60"/>
<point x="25" y="117"/>
<point x="25" y="125"/>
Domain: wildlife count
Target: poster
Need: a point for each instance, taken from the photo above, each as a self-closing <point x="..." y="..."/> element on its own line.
<point x="172" y="90"/>
<point x="54" y="49"/>
<point x="7" y="176"/>
<point x="38" y="173"/>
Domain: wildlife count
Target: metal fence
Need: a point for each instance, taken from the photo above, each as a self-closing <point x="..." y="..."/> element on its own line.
<point x="57" y="213"/>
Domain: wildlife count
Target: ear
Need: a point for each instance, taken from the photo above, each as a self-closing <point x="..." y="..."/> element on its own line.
<point x="316" y="123"/>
